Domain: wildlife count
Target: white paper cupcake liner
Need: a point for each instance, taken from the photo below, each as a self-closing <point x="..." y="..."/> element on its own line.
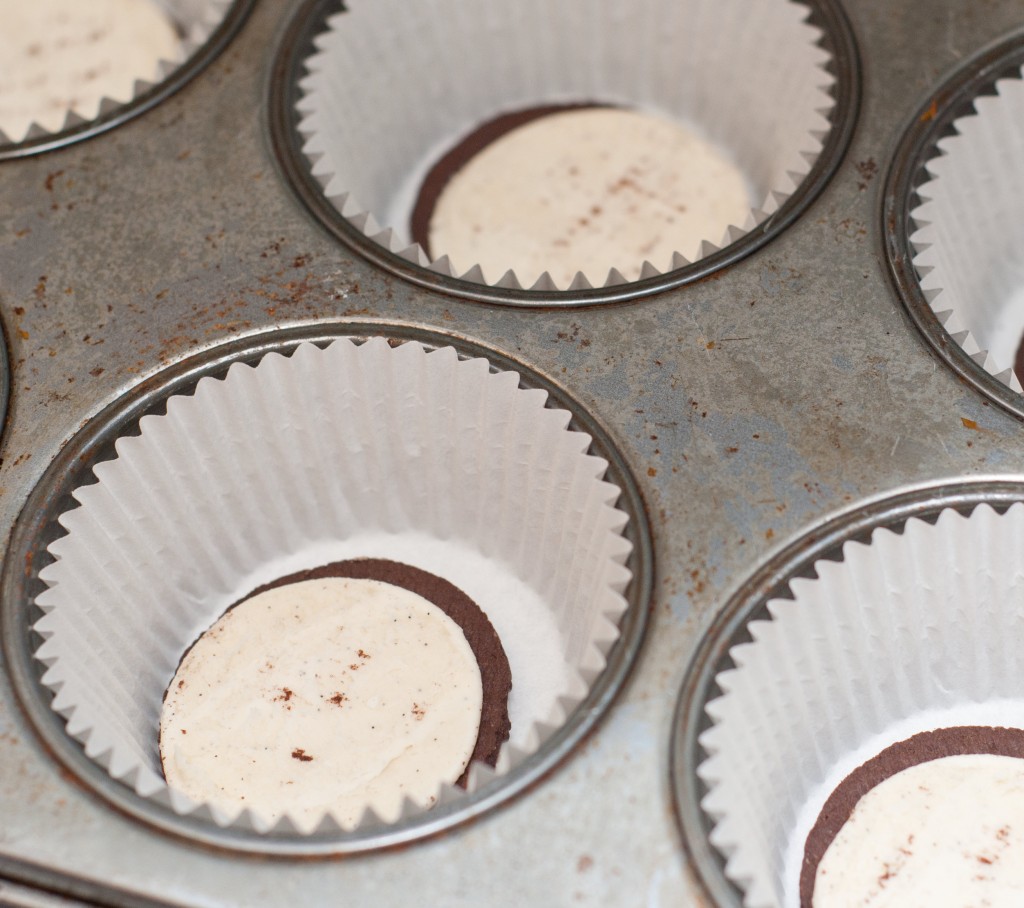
<point x="749" y="78"/>
<point x="331" y="453"/>
<point x="911" y="632"/>
<point x="195" y="20"/>
<point x="968" y="232"/>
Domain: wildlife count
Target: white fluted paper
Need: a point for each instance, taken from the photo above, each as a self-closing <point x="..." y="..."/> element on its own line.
<point x="393" y="85"/>
<point x="354" y="450"/>
<point x="968" y="232"/>
<point x="195" y="20"/>
<point x="915" y="631"/>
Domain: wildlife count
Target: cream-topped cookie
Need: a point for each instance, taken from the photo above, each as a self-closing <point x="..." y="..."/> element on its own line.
<point x="587" y="190"/>
<point x="67" y="55"/>
<point x="947" y="832"/>
<point x="332" y="694"/>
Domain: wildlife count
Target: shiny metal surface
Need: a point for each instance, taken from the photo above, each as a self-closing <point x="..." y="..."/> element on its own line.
<point x="751" y="406"/>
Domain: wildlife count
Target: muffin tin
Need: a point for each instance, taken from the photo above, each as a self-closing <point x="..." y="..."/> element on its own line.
<point x="754" y="407"/>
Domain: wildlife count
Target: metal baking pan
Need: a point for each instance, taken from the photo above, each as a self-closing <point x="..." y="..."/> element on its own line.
<point x="752" y="405"/>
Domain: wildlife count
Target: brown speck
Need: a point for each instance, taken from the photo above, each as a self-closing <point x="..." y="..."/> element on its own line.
<point x="97" y="372"/>
<point x="285" y="695"/>
<point x="338" y="699"/>
<point x="50" y="178"/>
<point x="300" y="755"/>
<point x="652" y="471"/>
<point x="19" y="310"/>
<point x="584" y="863"/>
<point x="418" y="711"/>
<point x="931" y="112"/>
<point x="184" y="731"/>
<point x="362" y="655"/>
<point x="867" y="169"/>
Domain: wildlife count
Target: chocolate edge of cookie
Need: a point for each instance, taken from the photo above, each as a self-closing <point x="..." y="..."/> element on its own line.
<point x="466" y="149"/>
<point x="920" y="748"/>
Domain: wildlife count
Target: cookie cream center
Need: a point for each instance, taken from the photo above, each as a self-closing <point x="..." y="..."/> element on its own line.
<point x="331" y="694"/>
<point x="948" y="832"/>
<point x="587" y="190"/>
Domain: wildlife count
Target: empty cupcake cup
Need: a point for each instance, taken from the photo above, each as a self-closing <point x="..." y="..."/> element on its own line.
<point x="353" y="448"/>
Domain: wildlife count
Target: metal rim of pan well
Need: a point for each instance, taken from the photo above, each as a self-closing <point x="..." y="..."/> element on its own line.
<point x="931" y="122"/>
<point x="749" y="603"/>
<point x="36" y="527"/>
<point x="295" y="45"/>
<point x="196" y="62"/>
<point x="5" y="379"/>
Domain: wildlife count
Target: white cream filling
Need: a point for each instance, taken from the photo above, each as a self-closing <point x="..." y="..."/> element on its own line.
<point x="948" y="832"/>
<point x="61" y="55"/>
<point x="325" y="695"/>
<point x="587" y="190"/>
